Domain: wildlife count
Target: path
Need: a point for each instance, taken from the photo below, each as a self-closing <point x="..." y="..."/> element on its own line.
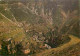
<point x="74" y="40"/>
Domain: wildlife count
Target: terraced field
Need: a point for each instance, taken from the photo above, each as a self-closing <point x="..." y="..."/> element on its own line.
<point x="10" y="29"/>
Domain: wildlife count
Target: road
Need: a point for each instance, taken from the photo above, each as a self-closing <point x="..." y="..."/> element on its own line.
<point x="74" y="40"/>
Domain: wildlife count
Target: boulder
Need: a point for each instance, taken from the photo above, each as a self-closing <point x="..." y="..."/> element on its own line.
<point x="27" y="51"/>
<point x="47" y="46"/>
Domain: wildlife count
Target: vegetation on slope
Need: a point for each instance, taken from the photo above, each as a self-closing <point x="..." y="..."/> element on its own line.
<point x="10" y="34"/>
<point x="29" y="27"/>
<point x="68" y="49"/>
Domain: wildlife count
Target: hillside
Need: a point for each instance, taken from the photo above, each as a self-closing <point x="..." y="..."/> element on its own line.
<point x="39" y="28"/>
<point x="10" y="29"/>
<point x="9" y="32"/>
<point x="68" y="49"/>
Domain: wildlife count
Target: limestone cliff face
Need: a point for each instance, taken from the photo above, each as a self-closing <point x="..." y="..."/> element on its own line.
<point x="41" y="8"/>
<point x="45" y="13"/>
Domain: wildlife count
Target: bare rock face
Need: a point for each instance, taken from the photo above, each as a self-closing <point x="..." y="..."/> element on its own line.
<point x="47" y="46"/>
<point x="0" y="47"/>
<point x="26" y="51"/>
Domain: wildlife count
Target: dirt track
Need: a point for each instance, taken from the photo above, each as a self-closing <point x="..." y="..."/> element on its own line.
<point x="74" y="40"/>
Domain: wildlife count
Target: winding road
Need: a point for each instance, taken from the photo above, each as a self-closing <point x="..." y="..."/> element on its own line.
<point x="74" y="40"/>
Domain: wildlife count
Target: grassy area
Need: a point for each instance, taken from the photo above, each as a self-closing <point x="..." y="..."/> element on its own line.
<point x="8" y="29"/>
<point x="33" y="25"/>
<point x="5" y="10"/>
<point x="62" y="50"/>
